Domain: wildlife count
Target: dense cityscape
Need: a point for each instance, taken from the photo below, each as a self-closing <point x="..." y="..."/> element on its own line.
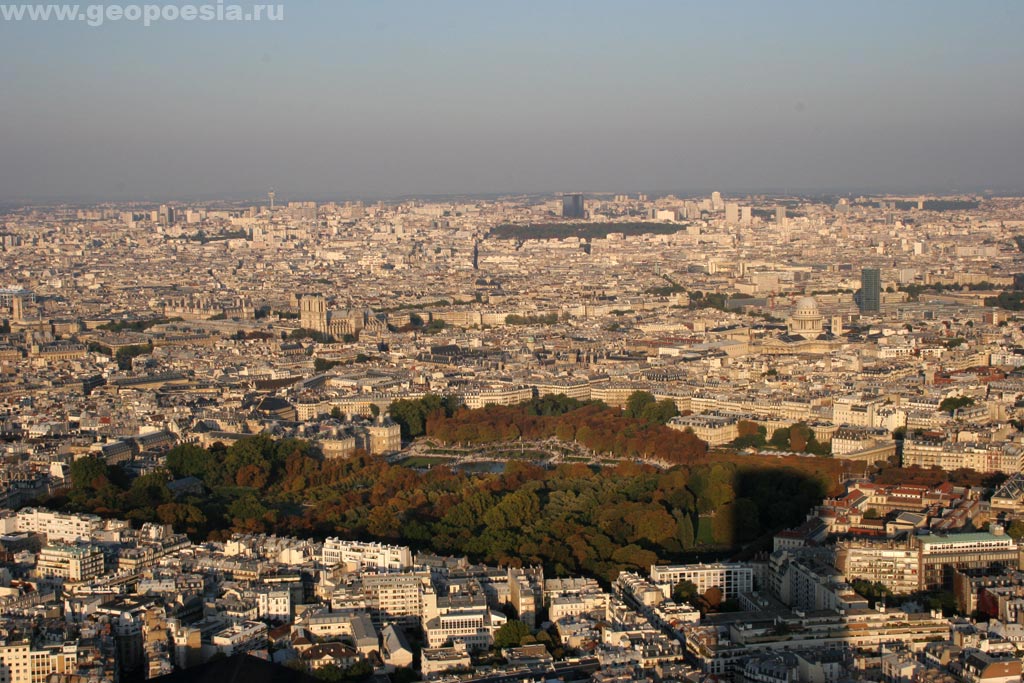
<point x="526" y="438"/>
<point x="547" y="341"/>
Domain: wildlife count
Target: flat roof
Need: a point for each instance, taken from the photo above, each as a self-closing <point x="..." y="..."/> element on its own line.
<point x="974" y="537"/>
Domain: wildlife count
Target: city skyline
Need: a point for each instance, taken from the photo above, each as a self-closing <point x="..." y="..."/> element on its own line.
<point x="576" y="341"/>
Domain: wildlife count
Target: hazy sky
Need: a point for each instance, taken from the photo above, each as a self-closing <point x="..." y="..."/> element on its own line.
<point x="351" y="98"/>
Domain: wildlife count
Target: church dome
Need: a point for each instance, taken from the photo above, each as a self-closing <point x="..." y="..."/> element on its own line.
<point x="807" y="308"/>
<point x="806" y="319"/>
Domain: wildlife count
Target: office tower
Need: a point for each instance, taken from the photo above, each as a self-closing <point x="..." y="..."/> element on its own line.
<point x="746" y="215"/>
<point x="870" y="290"/>
<point x="166" y="215"/>
<point x="732" y="213"/>
<point x="716" y="200"/>
<point x="572" y="206"/>
<point x="780" y="215"/>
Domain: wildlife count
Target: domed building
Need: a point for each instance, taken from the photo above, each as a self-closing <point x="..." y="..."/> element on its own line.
<point x="805" y="333"/>
<point x="806" y="319"/>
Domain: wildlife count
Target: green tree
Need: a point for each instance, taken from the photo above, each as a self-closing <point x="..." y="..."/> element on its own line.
<point x="247" y="508"/>
<point x="953" y="403"/>
<point x="409" y="416"/>
<point x="516" y="510"/>
<point x="148" y="492"/>
<point x="187" y="460"/>
<point x="511" y="634"/>
<point x="323" y="364"/>
<point x="1016" y="529"/>
<point x="638" y="402"/>
<point x="90" y="472"/>
<point x="686" y="534"/>
<point x="684" y="591"/>
<point x="780" y="439"/>
<point x="660" y="412"/>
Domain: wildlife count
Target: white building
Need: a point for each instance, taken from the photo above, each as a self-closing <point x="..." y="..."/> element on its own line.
<point x="361" y="556"/>
<point x="732" y="579"/>
<point x="58" y="526"/>
<point x="19" y="663"/>
<point x="241" y="637"/>
<point x="473" y="628"/>
<point x="274" y="604"/>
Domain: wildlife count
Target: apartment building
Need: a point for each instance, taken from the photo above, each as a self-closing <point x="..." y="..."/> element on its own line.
<point x="359" y="556"/>
<point x="58" y="526"/>
<point x="69" y="562"/>
<point x="731" y="578"/>
<point x="20" y="663"/>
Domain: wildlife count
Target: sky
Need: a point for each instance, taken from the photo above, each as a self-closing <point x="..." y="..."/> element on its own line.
<point x="350" y="99"/>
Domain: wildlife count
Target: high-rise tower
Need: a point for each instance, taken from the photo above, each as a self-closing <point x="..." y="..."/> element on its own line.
<point x="870" y="290"/>
<point x="572" y="206"/>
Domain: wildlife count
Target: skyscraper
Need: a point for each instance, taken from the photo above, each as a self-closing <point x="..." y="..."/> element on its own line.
<point x="870" y="290"/>
<point x="780" y="215"/>
<point x="572" y="206"/>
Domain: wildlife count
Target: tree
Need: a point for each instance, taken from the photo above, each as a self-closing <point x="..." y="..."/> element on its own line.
<point x="799" y="436"/>
<point x="780" y="439"/>
<point x="637" y="402"/>
<point x="642" y="405"/>
<point x="874" y="592"/>
<point x="511" y="634"/>
<point x="89" y="472"/>
<point x="409" y="416"/>
<point x="149" y="491"/>
<point x="185" y="517"/>
<point x="684" y="591"/>
<point x="954" y="403"/>
<point x="751" y="434"/>
<point x="323" y="364"/>
<point x="1016" y="529"/>
<point x="125" y="354"/>
<point x="686" y="534"/>
<point x="661" y="412"/>
<point x="187" y="460"/>
<point x="714" y="596"/>
<point x="746" y="519"/>
<point x="247" y="507"/>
